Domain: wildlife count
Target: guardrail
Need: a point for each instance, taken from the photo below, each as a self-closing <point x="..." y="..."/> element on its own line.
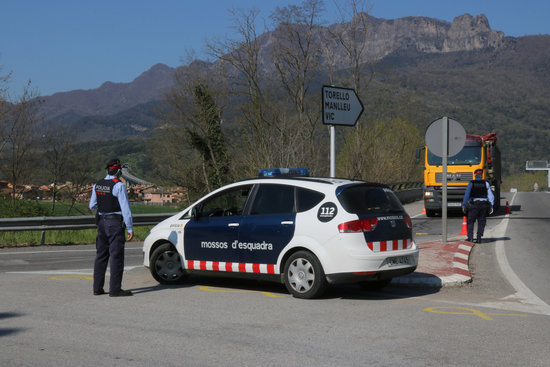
<point x="74" y="222"/>
<point x="405" y="191"/>
<point x="67" y="223"/>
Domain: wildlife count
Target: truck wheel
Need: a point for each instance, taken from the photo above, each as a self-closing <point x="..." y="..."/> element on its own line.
<point x="304" y="276"/>
<point x="165" y="265"/>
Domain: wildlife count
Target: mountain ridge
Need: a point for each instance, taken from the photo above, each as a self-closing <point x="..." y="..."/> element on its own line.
<point x="463" y="69"/>
<point x="385" y="36"/>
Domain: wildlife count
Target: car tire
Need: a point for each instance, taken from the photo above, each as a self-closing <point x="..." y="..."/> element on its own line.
<point x="304" y="276"/>
<point x="430" y="213"/>
<point x="165" y="265"/>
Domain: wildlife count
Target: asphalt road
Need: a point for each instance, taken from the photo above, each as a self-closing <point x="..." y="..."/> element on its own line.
<point x="49" y="317"/>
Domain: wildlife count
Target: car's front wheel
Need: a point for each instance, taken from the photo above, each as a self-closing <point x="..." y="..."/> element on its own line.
<point x="165" y="265"/>
<point x="304" y="276"/>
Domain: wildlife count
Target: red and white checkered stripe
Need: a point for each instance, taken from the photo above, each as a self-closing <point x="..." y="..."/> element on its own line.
<point x="231" y="267"/>
<point x="393" y="245"/>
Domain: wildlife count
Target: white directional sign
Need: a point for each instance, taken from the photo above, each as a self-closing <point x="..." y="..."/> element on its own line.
<point x="341" y="106"/>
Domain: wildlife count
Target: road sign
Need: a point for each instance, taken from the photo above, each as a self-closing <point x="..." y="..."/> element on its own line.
<point x="456" y="137"/>
<point x="445" y="138"/>
<point x="341" y="106"/>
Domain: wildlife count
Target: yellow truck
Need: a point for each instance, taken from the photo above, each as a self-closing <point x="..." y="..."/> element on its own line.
<point x="480" y="151"/>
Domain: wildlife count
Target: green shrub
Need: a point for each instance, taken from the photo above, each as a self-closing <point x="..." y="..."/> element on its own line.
<point x="20" y="208"/>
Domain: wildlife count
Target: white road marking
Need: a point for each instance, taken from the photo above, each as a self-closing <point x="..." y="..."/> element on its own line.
<point x="528" y="301"/>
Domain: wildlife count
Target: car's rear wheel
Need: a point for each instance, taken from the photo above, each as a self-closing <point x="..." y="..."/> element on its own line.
<point x="304" y="276"/>
<point x="166" y="265"/>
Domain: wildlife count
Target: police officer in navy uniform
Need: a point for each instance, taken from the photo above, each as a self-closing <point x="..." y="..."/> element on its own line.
<point x="110" y="198"/>
<point x="478" y="202"/>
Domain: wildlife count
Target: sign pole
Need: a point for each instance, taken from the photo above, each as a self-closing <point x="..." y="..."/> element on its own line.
<point x="445" y="149"/>
<point x="332" y="151"/>
<point x="445" y="137"/>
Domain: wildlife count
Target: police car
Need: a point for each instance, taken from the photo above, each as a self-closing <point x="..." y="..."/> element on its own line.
<point x="302" y="231"/>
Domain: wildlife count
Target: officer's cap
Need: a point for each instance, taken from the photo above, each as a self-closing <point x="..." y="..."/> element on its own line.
<point x="113" y="164"/>
<point x="478" y="171"/>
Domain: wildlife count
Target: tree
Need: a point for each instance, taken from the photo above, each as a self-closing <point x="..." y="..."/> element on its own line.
<point x="388" y="157"/>
<point x="297" y="59"/>
<point x="254" y="113"/>
<point x="277" y="113"/>
<point x="57" y="152"/>
<point x="194" y="150"/>
<point x="80" y="172"/>
<point x="350" y="38"/>
<point x="207" y="139"/>
<point x="22" y="119"/>
<point x="5" y="126"/>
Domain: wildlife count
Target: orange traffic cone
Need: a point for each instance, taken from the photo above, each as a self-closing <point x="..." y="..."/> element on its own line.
<point x="423" y="210"/>
<point x="464" y="227"/>
<point x="508" y="211"/>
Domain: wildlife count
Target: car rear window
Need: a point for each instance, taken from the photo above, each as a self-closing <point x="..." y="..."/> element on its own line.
<point x="364" y="199"/>
<point x="307" y="199"/>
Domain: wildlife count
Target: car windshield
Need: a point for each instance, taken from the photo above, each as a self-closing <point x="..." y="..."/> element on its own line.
<point x="365" y="199"/>
<point x="469" y="155"/>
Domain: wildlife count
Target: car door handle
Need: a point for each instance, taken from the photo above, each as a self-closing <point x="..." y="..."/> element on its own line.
<point x="287" y="222"/>
<point x="233" y="225"/>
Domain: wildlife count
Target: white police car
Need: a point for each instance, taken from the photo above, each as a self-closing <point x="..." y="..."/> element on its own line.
<point x="304" y="232"/>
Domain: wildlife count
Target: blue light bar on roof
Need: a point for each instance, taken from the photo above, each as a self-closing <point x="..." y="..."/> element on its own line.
<point x="272" y="172"/>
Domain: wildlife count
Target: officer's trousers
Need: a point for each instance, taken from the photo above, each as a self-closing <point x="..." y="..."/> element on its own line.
<point x="110" y="247"/>
<point x="477" y="210"/>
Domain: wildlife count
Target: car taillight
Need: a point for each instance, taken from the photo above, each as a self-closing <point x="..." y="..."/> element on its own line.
<point x="408" y="221"/>
<point x="357" y="226"/>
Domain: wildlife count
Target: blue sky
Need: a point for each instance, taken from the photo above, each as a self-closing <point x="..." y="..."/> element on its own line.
<point x="63" y="45"/>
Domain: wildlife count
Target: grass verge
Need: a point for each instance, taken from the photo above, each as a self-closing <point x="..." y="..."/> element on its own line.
<point x="60" y="237"/>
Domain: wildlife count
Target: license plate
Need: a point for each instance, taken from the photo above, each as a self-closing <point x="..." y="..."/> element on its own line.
<point x="454" y="204"/>
<point x="399" y="260"/>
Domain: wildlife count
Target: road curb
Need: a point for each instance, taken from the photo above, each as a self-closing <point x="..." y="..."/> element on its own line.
<point x="440" y="265"/>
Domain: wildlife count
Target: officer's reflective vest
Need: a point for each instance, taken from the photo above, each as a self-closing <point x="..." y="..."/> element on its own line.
<point x="479" y="189"/>
<point x="106" y="201"/>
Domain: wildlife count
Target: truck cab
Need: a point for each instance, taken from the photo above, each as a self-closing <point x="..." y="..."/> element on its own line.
<point x="478" y="152"/>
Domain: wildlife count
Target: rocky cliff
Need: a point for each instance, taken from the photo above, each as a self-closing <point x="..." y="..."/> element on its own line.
<point x="426" y="35"/>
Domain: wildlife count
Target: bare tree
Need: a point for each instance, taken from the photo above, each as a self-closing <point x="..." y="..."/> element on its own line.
<point x="20" y="141"/>
<point x="5" y="126"/>
<point x="390" y="154"/>
<point x="57" y="145"/>
<point x="297" y="59"/>
<point x="242" y="61"/>
<point x="80" y="173"/>
<point x="350" y="37"/>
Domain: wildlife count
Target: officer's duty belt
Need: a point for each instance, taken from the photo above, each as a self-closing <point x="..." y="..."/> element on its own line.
<point x="111" y="216"/>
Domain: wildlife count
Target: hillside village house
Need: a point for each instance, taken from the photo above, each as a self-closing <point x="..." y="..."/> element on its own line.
<point x="146" y="194"/>
<point x="155" y="196"/>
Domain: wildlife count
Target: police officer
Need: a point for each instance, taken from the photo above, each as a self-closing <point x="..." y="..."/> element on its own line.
<point x="478" y="202"/>
<point x="110" y="199"/>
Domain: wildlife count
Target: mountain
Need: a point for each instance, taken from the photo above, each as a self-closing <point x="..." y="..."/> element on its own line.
<point x="111" y="98"/>
<point x="429" y="67"/>
<point x="427" y="35"/>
